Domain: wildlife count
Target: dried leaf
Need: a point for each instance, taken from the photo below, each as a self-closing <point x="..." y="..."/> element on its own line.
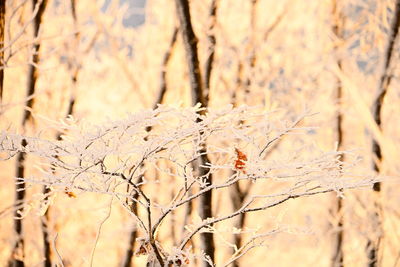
<point x="240" y="163"/>
<point x="69" y="193"/>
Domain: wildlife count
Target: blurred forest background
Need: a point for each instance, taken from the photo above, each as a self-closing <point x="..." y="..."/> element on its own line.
<point x="99" y="60"/>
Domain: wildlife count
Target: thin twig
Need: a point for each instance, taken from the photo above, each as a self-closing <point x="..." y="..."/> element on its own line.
<point x="99" y="230"/>
<point x="60" y="261"/>
<point x="245" y="209"/>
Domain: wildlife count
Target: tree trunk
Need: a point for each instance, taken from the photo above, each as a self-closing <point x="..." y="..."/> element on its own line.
<point x="132" y="238"/>
<point x="47" y="250"/>
<point x="127" y="262"/>
<point x="211" y="48"/>
<point x="46" y="220"/>
<point x="190" y="43"/>
<point x="198" y="96"/>
<point x="373" y="244"/>
<point x="238" y="197"/>
<point x="2" y="32"/>
<point x="337" y="213"/>
<point x="17" y="255"/>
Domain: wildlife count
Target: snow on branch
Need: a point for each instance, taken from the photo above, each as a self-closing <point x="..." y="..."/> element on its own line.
<point x="105" y="158"/>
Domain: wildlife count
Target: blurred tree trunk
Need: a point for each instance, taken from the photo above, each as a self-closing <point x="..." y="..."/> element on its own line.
<point x="252" y="43"/>
<point x="17" y="255"/>
<point x="373" y="244"/>
<point x="75" y="67"/>
<point x="164" y="66"/>
<point x="211" y="47"/>
<point x="337" y="213"/>
<point x="127" y="261"/>
<point x="238" y="197"/>
<point x="238" y="194"/>
<point x="2" y="33"/>
<point x="198" y="96"/>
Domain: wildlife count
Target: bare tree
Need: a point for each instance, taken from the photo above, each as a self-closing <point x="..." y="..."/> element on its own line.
<point x="337" y="208"/>
<point x="211" y="47"/>
<point x="253" y="56"/>
<point x="373" y="245"/>
<point x="2" y="33"/>
<point x="198" y="96"/>
<point x="194" y="148"/>
<point x="81" y="163"/>
<point x="240" y="193"/>
<point x="17" y="256"/>
<point x="164" y="67"/>
<point x="74" y="67"/>
<point x="160" y="99"/>
<point x="190" y="42"/>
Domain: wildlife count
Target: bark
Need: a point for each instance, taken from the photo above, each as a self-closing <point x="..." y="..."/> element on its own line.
<point x="2" y="33"/>
<point x="373" y="244"/>
<point x="198" y="96"/>
<point x="21" y="158"/>
<point x="132" y="238"/>
<point x="167" y="57"/>
<point x="190" y="42"/>
<point x="211" y="49"/>
<point x="338" y="252"/>
<point x="384" y="85"/>
<point x="205" y="209"/>
<point x="47" y="250"/>
<point x="238" y="196"/>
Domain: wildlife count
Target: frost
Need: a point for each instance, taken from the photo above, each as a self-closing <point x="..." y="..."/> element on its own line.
<point x="162" y="147"/>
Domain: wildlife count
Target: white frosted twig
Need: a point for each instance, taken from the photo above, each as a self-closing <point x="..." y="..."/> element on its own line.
<point x="249" y="245"/>
<point x="245" y="207"/>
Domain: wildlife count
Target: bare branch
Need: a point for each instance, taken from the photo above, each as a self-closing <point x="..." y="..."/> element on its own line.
<point x="99" y="230"/>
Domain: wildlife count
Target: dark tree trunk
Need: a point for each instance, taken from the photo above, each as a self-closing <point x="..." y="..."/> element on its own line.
<point x="198" y="96"/>
<point x="132" y="238"/>
<point x="21" y="158"/>
<point x="205" y="209"/>
<point x="338" y="254"/>
<point x="211" y="49"/>
<point x="238" y="197"/>
<point x="2" y="32"/>
<point x="384" y="85"/>
<point x="47" y="252"/>
<point x="373" y="244"/>
<point x="164" y="66"/>
<point x="190" y="42"/>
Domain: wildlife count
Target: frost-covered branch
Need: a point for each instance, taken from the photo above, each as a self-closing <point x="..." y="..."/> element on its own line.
<point x="106" y="158"/>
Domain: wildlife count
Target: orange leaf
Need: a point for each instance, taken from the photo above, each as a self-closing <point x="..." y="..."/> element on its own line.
<point x="240" y="163"/>
<point x="69" y="193"/>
